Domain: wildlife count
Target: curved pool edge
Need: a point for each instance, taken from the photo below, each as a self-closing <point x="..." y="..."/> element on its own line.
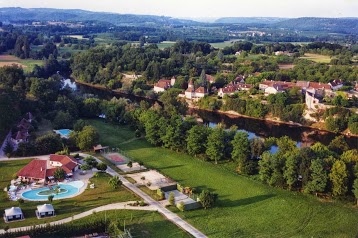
<point x="80" y="191"/>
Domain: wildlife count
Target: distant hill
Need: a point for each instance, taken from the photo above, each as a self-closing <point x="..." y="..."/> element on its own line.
<point x="49" y="14"/>
<point x="332" y="25"/>
<point x="250" y="20"/>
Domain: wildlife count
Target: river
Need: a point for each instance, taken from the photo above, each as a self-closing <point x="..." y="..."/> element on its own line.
<point x="303" y="136"/>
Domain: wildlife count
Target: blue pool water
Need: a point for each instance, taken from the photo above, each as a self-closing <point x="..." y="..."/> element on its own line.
<point x="65" y="132"/>
<point x="71" y="188"/>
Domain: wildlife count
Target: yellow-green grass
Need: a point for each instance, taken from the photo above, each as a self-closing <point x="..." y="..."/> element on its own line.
<point x="317" y="58"/>
<point x="165" y="44"/>
<point x="246" y="208"/>
<point x="140" y="223"/>
<point x="222" y="45"/>
<point x="27" y="64"/>
<point x="102" y="194"/>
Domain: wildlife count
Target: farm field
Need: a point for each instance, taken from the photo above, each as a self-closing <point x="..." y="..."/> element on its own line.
<point x="165" y="44"/>
<point x="26" y="64"/>
<point x="102" y="194"/>
<point x="221" y="45"/>
<point x="246" y="208"/>
<point x="317" y="58"/>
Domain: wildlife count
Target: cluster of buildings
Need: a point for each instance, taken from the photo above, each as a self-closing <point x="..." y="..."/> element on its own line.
<point x="42" y="170"/>
<point x="22" y="130"/>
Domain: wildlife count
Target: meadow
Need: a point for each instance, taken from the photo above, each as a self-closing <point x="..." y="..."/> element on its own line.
<point x="246" y="208"/>
<point x="27" y="64"/>
<point x="317" y="58"/>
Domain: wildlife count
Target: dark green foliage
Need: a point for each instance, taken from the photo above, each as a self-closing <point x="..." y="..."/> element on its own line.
<point x="207" y="199"/>
<point x="87" y="138"/>
<point x="197" y="140"/>
<point x="241" y="150"/>
<point x="79" y="125"/>
<point x="101" y="166"/>
<point x="319" y="178"/>
<point x="216" y="144"/>
<point x="63" y="120"/>
<point x="48" y="144"/>
<point x="59" y="174"/>
<point x="339" y="178"/>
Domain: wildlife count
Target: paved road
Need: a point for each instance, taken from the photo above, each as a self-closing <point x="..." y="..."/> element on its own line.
<point x="113" y="206"/>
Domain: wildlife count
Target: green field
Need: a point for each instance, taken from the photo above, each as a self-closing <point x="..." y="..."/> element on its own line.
<point x="27" y="64"/>
<point x="246" y="208"/>
<point x="140" y="223"/>
<point x="165" y="44"/>
<point x="317" y="58"/>
<point x="221" y="45"/>
<point x="102" y="194"/>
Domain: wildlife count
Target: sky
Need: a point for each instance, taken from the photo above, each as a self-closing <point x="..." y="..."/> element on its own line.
<point x="204" y="8"/>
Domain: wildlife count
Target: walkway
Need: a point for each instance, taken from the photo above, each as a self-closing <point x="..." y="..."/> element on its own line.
<point x="171" y="216"/>
<point x="114" y="206"/>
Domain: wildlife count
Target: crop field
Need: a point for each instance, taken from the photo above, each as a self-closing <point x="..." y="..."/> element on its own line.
<point x="26" y="64"/>
<point x="317" y="58"/>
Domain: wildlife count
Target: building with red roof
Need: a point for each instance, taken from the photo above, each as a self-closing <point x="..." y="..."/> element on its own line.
<point x="35" y="170"/>
<point x="164" y="84"/>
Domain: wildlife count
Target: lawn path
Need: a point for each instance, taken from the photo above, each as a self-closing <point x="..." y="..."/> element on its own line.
<point x="113" y="206"/>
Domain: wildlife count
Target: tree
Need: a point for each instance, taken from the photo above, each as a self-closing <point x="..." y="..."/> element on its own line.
<point x="87" y="138"/>
<point x="197" y="140"/>
<point x="9" y="148"/>
<point x="338" y="145"/>
<point x="79" y="125"/>
<point x="338" y="177"/>
<point x="173" y="105"/>
<point x="115" y="182"/>
<point x="257" y="147"/>
<point x="265" y="170"/>
<point x="63" y="120"/>
<point x="241" y="149"/>
<point x="86" y="167"/>
<point x="171" y="198"/>
<point x="50" y="198"/>
<point x="290" y="171"/>
<point x="318" y="181"/>
<point x="130" y="164"/>
<point x="102" y="167"/>
<point x="216" y="144"/>
<point x="91" y="161"/>
<point x="59" y="174"/>
<point x="207" y="199"/>
<point x="355" y="189"/>
<point x="49" y="143"/>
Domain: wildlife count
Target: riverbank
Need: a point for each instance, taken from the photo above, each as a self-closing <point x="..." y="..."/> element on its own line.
<point x="230" y="114"/>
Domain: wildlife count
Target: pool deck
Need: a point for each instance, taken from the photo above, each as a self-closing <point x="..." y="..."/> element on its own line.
<point x="77" y="177"/>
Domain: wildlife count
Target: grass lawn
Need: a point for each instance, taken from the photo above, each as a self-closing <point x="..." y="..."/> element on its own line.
<point x="165" y="44"/>
<point x="102" y="194"/>
<point x="317" y="58"/>
<point x="246" y="208"/>
<point x="140" y="223"/>
<point x="222" y="45"/>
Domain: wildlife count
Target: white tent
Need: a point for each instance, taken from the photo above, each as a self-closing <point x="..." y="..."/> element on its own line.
<point x="13" y="213"/>
<point x="45" y="210"/>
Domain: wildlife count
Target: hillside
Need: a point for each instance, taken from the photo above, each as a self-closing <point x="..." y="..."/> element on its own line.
<point x="332" y="25"/>
<point x="249" y="20"/>
<point x="48" y="14"/>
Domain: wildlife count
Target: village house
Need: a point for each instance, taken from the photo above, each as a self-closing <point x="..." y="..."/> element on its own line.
<point x="313" y="99"/>
<point x="22" y="132"/>
<point x="233" y="88"/>
<point x="273" y="87"/>
<point x="210" y="79"/>
<point x="192" y="93"/>
<point x="164" y="84"/>
<point x="336" y="84"/>
<point x="40" y="170"/>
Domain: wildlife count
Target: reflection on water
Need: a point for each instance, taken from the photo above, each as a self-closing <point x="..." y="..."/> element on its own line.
<point x="69" y="83"/>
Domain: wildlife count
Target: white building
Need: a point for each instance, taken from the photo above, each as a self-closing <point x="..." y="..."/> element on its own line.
<point x="45" y="210"/>
<point x="163" y="85"/>
<point x="13" y="214"/>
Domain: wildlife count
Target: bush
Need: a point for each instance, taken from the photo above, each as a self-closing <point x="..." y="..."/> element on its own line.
<point x="181" y="206"/>
<point x="21" y="201"/>
<point x="101" y="166"/>
<point x="171" y="199"/>
<point x="130" y="164"/>
<point x="50" y="198"/>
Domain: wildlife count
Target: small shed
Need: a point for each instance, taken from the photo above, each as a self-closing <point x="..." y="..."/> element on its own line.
<point x="99" y="148"/>
<point x="45" y="210"/>
<point x="13" y="214"/>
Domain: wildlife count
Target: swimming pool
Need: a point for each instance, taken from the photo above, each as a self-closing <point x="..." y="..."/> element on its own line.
<point x="68" y="190"/>
<point x="65" y="133"/>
